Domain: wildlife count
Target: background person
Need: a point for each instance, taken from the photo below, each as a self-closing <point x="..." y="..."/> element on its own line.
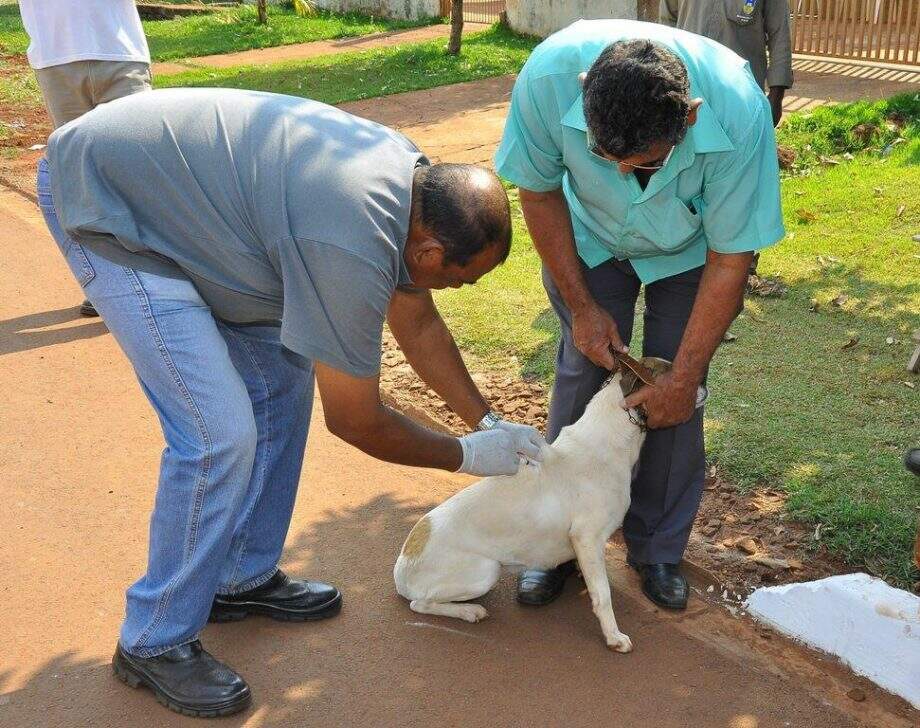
<point x="84" y="53"/>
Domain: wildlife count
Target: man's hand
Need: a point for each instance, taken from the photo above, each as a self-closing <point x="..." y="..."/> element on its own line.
<point x="550" y="225"/>
<point x="776" y="95"/>
<point x="528" y="440"/>
<point x="594" y="332"/>
<point x="666" y="403"/>
<point x="494" y="452"/>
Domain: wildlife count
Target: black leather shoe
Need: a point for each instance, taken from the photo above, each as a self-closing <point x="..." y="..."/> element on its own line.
<point x="281" y="597"/>
<point x="187" y="680"/>
<point x="87" y="309"/>
<point x="663" y="584"/>
<point x="537" y="587"/>
<point x="912" y="460"/>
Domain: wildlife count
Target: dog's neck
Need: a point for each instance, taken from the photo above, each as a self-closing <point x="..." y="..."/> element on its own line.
<point x="605" y="426"/>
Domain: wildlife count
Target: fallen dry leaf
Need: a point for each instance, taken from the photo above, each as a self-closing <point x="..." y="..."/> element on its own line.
<point x="785" y="156"/>
<point x="769" y="562"/>
<point x="748" y="545"/>
<point x="772" y="287"/>
<point x="805" y="216"/>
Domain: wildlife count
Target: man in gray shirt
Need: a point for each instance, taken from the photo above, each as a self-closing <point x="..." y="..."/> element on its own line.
<point x="239" y="244"/>
<point x="750" y="28"/>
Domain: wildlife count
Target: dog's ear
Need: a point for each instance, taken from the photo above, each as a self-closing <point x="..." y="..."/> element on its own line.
<point x="629" y="382"/>
<point x="651" y="366"/>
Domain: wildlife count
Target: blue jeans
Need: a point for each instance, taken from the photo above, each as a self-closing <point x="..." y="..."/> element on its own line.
<point x="234" y="406"/>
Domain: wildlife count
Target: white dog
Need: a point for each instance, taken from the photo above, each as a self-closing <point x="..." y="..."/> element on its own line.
<point x="565" y="507"/>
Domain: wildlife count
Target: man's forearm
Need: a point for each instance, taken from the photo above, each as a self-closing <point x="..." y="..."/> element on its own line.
<point x="432" y="352"/>
<point x="387" y="435"/>
<point x="718" y="301"/>
<point x="550" y="226"/>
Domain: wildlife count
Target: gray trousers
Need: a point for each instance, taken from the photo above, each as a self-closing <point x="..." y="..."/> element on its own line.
<point x="668" y="482"/>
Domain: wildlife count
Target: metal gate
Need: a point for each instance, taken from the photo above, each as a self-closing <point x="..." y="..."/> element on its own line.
<point x="875" y="30"/>
<point x="478" y="11"/>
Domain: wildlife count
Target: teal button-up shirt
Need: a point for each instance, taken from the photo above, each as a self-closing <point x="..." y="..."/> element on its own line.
<point x="718" y="191"/>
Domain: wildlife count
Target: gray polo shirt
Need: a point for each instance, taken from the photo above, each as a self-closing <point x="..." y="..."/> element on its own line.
<point x="279" y="209"/>
<point x="748" y="27"/>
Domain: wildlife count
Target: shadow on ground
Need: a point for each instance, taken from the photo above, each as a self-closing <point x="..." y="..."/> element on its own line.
<point x="37" y="330"/>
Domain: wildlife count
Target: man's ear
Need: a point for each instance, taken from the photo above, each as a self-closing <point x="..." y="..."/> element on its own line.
<point x="581" y="78"/>
<point x="692" y="115"/>
<point x="428" y="253"/>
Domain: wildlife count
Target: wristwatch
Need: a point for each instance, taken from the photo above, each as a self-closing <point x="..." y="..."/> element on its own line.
<point x="488" y="421"/>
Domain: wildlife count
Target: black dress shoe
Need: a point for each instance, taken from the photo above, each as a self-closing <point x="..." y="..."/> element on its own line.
<point x="87" y="309"/>
<point x="537" y="587"/>
<point x="187" y="680"/>
<point x="663" y="584"/>
<point x="912" y="460"/>
<point x="281" y="597"/>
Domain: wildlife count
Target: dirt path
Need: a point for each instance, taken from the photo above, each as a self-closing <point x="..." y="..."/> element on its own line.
<point x="79" y="451"/>
<point x="301" y="51"/>
<point x="464" y="122"/>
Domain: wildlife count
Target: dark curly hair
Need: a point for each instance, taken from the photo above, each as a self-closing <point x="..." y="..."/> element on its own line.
<point x="635" y="95"/>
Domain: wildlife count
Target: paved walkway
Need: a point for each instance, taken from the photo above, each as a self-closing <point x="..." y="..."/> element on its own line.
<point x="79" y="450"/>
<point x="302" y="51"/>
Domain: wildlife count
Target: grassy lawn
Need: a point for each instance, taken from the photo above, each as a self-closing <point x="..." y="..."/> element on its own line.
<point x="790" y="406"/>
<point x="230" y="29"/>
<point x="364" y="74"/>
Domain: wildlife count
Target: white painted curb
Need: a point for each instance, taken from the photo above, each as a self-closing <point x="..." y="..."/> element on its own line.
<point x="871" y="626"/>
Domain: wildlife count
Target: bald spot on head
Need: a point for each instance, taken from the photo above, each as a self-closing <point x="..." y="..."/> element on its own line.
<point x="464" y="207"/>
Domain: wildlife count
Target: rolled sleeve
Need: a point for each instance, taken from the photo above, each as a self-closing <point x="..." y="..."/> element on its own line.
<point x="529" y="154"/>
<point x="667" y="13"/>
<point x="779" y="43"/>
<point x="335" y="303"/>
<point x="742" y="211"/>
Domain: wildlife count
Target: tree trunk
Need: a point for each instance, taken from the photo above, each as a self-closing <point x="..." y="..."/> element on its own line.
<point x="263" y="12"/>
<point x="456" y="26"/>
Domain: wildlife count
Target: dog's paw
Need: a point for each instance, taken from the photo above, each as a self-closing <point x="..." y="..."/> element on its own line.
<point x="620" y="643"/>
<point x="472" y="612"/>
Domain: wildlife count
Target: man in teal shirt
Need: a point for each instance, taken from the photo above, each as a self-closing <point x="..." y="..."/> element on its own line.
<point x="646" y="156"/>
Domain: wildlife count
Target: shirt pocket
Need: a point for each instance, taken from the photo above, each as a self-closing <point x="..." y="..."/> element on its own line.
<point x="740" y="12"/>
<point x="662" y="226"/>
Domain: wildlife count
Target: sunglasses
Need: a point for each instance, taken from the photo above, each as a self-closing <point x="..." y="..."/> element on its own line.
<point x="595" y="149"/>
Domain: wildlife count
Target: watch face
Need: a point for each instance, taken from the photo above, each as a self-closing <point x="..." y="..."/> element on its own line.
<point x="488" y="421"/>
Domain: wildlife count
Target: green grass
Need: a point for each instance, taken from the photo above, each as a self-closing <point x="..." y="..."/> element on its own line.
<point x="226" y="31"/>
<point x="831" y="131"/>
<point x="790" y="407"/>
<point x="365" y="74"/>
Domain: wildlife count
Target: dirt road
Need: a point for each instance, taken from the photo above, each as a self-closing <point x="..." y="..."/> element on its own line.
<point x="78" y="454"/>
